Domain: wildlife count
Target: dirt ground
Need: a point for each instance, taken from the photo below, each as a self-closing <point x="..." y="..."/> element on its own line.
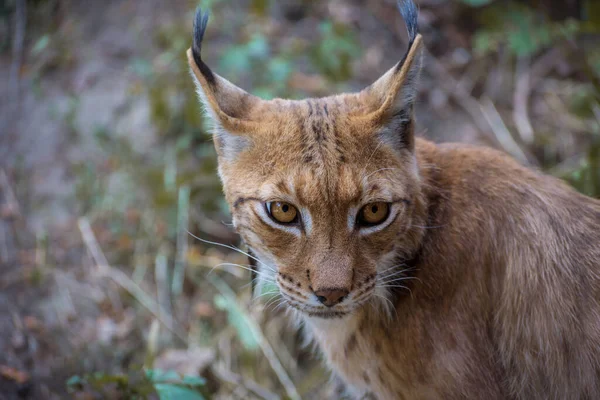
<point x="74" y="296"/>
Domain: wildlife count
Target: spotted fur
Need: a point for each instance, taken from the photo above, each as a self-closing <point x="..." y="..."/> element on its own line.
<point x="484" y="282"/>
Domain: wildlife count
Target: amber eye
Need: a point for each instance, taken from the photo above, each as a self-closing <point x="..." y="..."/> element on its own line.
<point x="282" y="212"/>
<point x="373" y="214"/>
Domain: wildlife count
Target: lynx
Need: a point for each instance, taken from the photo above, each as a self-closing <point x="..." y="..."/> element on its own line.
<point x="422" y="271"/>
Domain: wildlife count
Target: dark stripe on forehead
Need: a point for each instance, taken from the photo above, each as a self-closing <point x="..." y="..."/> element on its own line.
<point x="281" y="185"/>
<point x="319" y="132"/>
<point x="339" y="149"/>
<point x="304" y="138"/>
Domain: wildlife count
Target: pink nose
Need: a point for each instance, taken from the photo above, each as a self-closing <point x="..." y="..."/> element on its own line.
<point x="331" y="297"/>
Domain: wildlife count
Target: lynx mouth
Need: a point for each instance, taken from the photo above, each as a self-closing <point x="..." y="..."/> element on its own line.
<point x="313" y="311"/>
<point x="327" y="315"/>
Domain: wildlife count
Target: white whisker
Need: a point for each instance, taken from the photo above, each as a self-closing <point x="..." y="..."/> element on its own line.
<point x="428" y="227"/>
<point x="231" y="248"/>
<point x="391" y="275"/>
<point x="393" y="267"/>
<point x="272" y="301"/>
<point x="266" y="294"/>
<point x="386" y="299"/>
<point x="371" y="156"/>
<point x="275" y="304"/>
<point x="379" y="170"/>
<point x="259" y="273"/>
<point x="404" y="278"/>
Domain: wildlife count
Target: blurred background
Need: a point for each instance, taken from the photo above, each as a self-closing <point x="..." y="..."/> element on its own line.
<point x="105" y="162"/>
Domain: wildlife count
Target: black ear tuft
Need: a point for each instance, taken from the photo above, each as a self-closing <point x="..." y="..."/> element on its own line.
<point x="409" y="13"/>
<point x="200" y="23"/>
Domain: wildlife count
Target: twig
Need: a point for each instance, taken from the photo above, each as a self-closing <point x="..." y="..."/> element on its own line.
<point x="264" y="344"/>
<point x="79" y="288"/>
<point x="596" y="111"/>
<point x="141" y="266"/>
<point x="543" y="65"/>
<point x="496" y="77"/>
<point x="566" y="166"/>
<point x="521" y="100"/>
<point x="183" y="207"/>
<point x="152" y="343"/>
<point x="161" y="275"/>
<point x="63" y="305"/>
<point x="4" y="247"/>
<point x="17" y="54"/>
<point x="121" y="279"/>
<point x="527" y="78"/>
<point x="235" y="379"/>
<point x="210" y="227"/>
<point x="500" y="130"/>
<point x="11" y="208"/>
<point x="484" y="114"/>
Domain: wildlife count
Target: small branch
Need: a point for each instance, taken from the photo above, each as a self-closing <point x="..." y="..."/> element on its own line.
<point x="521" y="100"/>
<point x="11" y="207"/>
<point x="5" y="254"/>
<point x="183" y="217"/>
<point x="63" y="305"/>
<point x="161" y="276"/>
<point x="235" y="379"/>
<point x="121" y="279"/>
<point x="527" y="78"/>
<point x="17" y="54"/>
<point x="500" y="130"/>
<point x="210" y="227"/>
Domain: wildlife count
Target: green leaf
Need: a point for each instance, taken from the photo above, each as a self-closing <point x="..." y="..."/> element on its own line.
<point x="258" y="47"/>
<point x="523" y="29"/>
<point x="238" y="320"/>
<point x="280" y="70"/>
<point x="168" y="391"/>
<point x="41" y="44"/>
<point x="158" y="375"/>
<point x="333" y="52"/>
<point x="236" y="315"/>
<point x="477" y="3"/>
<point x="193" y="380"/>
<point x="269" y="287"/>
<point x="75" y="380"/>
<point x="265" y="93"/>
<point x="235" y="60"/>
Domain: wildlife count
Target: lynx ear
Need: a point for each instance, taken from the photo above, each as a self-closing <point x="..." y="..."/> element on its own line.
<point x="229" y="107"/>
<point x="393" y="95"/>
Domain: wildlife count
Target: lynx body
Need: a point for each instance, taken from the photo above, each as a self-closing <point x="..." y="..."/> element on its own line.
<point x="422" y="271"/>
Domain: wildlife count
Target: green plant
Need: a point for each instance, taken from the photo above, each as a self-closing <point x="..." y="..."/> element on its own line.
<point x="333" y="52"/>
<point x="586" y="177"/>
<point x="140" y="385"/>
<point x="522" y="29"/>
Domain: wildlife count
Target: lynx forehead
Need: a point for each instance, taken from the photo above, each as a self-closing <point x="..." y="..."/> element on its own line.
<point x="422" y="271"/>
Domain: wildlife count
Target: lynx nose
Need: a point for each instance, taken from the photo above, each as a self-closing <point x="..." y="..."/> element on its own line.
<point x="330" y="297"/>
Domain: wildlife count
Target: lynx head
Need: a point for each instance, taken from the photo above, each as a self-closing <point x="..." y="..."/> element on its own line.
<point x="325" y="192"/>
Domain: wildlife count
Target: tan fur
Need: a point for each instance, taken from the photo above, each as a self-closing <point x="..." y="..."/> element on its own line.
<point x="501" y="264"/>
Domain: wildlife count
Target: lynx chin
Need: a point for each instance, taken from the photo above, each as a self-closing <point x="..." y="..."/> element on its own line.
<point x="422" y="271"/>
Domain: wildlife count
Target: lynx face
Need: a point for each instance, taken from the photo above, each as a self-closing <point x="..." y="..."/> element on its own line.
<point x="325" y="192"/>
<point x="321" y="205"/>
